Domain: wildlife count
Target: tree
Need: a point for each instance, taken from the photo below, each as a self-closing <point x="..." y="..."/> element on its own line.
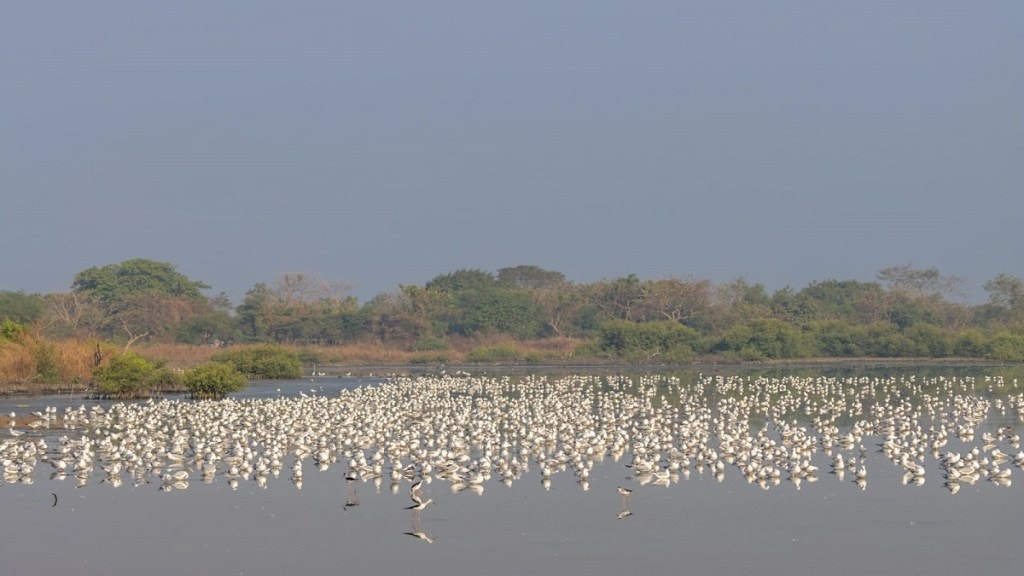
<point x="139" y="298"/>
<point x="20" y="307"/>
<point x="532" y="277"/>
<point x="685" y="301"/>
<point x="210" y="328"/>
<point x="560" y="306"/>
<point x="848" y="300"/>
<point x="115" y="283"/>
<point x="299" y="308"/>
<point x="71" y="314"/>
<point x="479" y="303"/>
<point x="621" y="298"/>
<point x="394" y="321"/>
<point x="462" y="280"/>
<point x="1006" y="291"/>
<point x="737" y="302"/>
<point x="919" y="282"/>
<point x="793" y="307"/>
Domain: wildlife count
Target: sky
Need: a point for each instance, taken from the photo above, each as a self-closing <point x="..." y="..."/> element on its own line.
<point x="385" y="143"/>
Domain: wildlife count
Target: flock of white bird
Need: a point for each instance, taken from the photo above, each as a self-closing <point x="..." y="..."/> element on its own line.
<point x="465" y="430"/>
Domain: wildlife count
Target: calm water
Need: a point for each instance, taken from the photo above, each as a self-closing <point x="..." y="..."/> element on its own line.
<point x="696" y="525"/>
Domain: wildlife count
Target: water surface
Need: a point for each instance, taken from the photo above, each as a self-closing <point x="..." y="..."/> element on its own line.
<point x="698" y="524"/>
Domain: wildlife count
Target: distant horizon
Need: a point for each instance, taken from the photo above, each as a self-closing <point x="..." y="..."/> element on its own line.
<point x="980" y="298"/>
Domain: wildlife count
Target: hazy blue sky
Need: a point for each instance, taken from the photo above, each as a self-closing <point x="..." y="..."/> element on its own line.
<point x="387" y="142"/>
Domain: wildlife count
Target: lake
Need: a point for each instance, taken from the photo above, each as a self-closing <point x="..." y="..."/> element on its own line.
<point x="732" y="473"/>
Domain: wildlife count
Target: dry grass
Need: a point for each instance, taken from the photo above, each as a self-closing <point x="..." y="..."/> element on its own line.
<point x="29" y="365"/>
<point x="177" y="355"/>
<point x="75" y="359"/>
<point x="17" y="363"/>
<point x="369" y="354"/>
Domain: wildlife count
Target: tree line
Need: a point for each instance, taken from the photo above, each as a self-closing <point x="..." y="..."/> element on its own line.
<point x="905" y="312"/>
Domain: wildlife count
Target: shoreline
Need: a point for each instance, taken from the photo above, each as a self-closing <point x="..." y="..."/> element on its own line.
<point x="340" y="370"/>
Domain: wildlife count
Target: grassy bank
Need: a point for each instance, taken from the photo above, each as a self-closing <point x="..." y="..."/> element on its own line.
<point x="32" y="366"/>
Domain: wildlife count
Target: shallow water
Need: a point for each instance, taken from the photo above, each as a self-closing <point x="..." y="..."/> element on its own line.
<point x="695" y="525"/>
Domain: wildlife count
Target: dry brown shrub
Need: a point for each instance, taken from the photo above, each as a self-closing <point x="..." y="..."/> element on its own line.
<point x="560" y="346"/>
<point x="371" y="353"/>
<point x="178" y="355"/>
<point x="77" y="360"/>
<point x="464" y="344"/>
<point x="17" y="363"/>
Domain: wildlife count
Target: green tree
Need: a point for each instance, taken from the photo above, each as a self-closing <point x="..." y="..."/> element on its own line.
<point x="621" y="298"/>
<point x="20" y="307"/>
<point x="919" y="282"/>
<point x="300" y="308"/>
<point x="1006" y="291"/>
<point x="793" y="307"/>
<point x="209" y="328"/>
<point x="847" y="300"/>
<point x="396" y="320"/>
<point x="139" y="298"/>
<point x="115" y="283"/>
<point x="532" y="277"/>
<point x="737" y="302"/>
<point x="479" y="303"/>
<point x="463" y="280"/>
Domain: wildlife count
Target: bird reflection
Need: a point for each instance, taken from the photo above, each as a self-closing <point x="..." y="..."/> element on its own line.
<point x="416" y="526"/>
<point x="625" y="493"/>
<point x="421" y="535"/>
<point x="351" y="498"/>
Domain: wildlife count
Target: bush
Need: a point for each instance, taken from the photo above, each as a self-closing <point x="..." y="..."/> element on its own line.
<point x="837" y="338"/>
<point x="883" y="340"/>
<point x="765" y="338"/>
<point x="430" y="344"/>
<point x="929" y="340"/>
<point x="48" y="368"/>
<point x="1007" y="347"/>
<point x="660" y="340"/>
<point x="431" y="358"/>
<point x="127" y="376"/>
<point x="970" y="343"/>
<point x="263" y="362"/>
<point x="10" y="330"/>
<point x="498" y="353"/>
<point x="214" y="380"/>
